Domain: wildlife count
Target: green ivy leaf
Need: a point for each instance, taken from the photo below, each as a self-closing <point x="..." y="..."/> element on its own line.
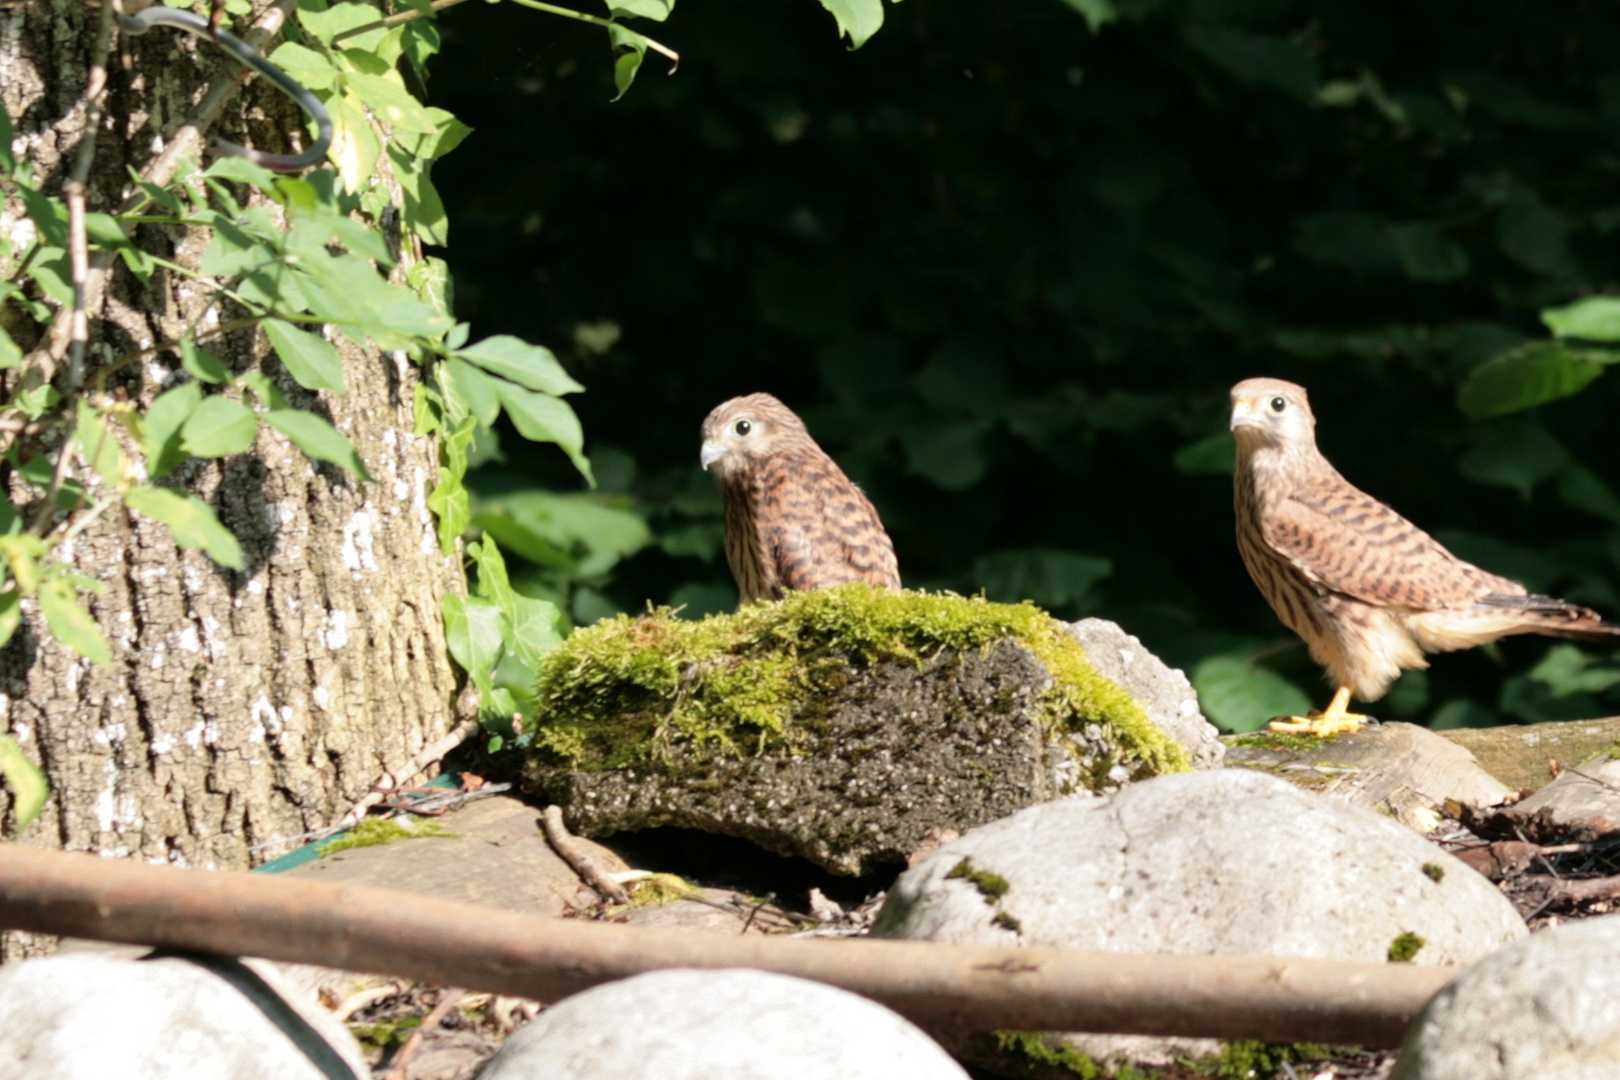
<point x="327" y="24"/>
<point x="10" y="613"/>
<point x="348" y="291"/>
<point x="164" y="420"/>
<point x="28" y="784"/>
<point x="1531" y="375"/>
<point x="448" y="500"/>
<point x="1596" y="318"/>
<point x="475" y="629"/>
<point x="532" y="366"/>
<point x="630" y="49"/>
<point x="71" y="623"/>
<point x="317" y="438"/>
<point x="857" y="19"/>
<point x="51" y="270"/>
<point x="392" y="103"/>
<point x="424" y="209"/>
<point x="219" y="427"/>
<point x="191" y="520"/>
<point x="355" y="147"/>
<point x="309" y="358"/>
<point x="474" y="388"/>
<point x="49" y="215"/>
<point x="1097" y="13"/>
<point x="99" y="446"/>
<point x="542" y="418"/>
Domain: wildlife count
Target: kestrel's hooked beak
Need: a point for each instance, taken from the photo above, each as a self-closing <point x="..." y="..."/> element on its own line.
<point x="711" y="453"/>
<point x="1243" y="414"/>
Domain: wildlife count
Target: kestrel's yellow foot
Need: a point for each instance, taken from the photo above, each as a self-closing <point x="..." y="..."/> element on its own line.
<point x="1336" y="719"/>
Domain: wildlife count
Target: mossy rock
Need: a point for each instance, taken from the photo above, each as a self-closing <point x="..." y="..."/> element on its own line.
<point x="841" y="725"/>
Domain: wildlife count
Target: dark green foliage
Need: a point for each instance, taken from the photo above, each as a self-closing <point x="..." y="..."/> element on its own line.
<point x="1007" y="258"/>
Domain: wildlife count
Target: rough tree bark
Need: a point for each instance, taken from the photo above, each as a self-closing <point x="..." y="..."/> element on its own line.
<point x="241" y="707"/>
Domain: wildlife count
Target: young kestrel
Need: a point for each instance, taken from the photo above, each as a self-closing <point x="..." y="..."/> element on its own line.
<point x="793" y="519"/>
<point x="1368" y="591"/>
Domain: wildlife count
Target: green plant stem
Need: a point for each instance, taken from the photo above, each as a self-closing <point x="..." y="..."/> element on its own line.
<point x="64" y="457"/>
<point x="596" y="20"/>
<point x="395" y="20"/>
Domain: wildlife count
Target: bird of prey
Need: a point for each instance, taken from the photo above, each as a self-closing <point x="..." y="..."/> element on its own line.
<point x="1368" y="591"/>
<point x="793" y="519"/>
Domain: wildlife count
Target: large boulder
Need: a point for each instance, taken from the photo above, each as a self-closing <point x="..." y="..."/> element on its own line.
<point x="719" y="1025"/>
<point x="92" y="1015"/>
<point x="846" y="725"/>
<point x="1544" y="1009"/>
<point x="1232" y="862"/>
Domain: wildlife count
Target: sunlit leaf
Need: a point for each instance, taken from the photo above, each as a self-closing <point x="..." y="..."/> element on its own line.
<point x="309" y="358"/>
<point x="542" y="418"/>
<point x="164" y="420"/>
<point x="317" y="438"/>
<point x="71" y="623"/>
<point x="1596" y="318"/>
<point x="29" y="787"/>
<point x="1531" y="375"/>
<point x="191" y="520"/>
<point x="528" y="365"/>
<point x="857" y="19"/>
<point x="218" y="427"/>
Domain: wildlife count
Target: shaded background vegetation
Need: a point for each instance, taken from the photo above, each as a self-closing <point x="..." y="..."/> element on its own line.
<point x="1006" y="264"/>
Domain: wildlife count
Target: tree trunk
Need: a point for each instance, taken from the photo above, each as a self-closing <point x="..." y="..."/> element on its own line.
<point x="241" y="708"/>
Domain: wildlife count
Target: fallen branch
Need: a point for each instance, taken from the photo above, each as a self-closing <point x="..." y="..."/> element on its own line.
<point x="575" y="855"/>
<point x="945" y="987"/>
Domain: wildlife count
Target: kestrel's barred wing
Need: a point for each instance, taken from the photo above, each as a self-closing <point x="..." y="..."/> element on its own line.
<point x="820" y="530"/>
<point x="1350" y="543"/>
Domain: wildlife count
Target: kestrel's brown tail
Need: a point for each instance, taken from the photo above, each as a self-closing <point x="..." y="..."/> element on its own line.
<point x="1555" y="618"/>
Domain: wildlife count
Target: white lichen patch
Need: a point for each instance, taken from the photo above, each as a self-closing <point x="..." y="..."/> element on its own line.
<point x="265" y="720"/>
<point x="203" y="731"/>
<point x="336" y="633"/>
<point x="163" y="744"/>
<point x="187" y="641"/>
<point x="321" y="696"/>
<point x="112" y="733"/>
<point x="357" y="550"/>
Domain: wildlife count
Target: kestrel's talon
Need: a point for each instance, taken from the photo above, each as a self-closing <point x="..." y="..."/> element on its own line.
<point x="1336" y="719"/>
<point x="1367" y="590"/>
<point x="793" y="519"/>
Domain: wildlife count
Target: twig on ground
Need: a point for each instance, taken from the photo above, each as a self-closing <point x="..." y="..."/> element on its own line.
<point x="447" y="1001"/>
<point x="584" y="864"/>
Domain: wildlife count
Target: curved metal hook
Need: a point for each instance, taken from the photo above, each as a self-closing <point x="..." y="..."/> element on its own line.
<point x="159" y="15"/>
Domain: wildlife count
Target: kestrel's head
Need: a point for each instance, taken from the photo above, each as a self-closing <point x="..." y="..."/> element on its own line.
<point x="1271" y="412"/>
<point x="747" y="430"/>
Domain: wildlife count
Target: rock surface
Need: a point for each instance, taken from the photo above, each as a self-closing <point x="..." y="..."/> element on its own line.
<point x="1402" y="770"/>
<point x="1164" y="691"/>
<point x="1228" y="862"/>
<point x="1583" y="803"/>
<point x="720" y="1025"/>
<point x="1547" y="1008"/>
<point x="894" y="751"/>
<point x="1518" y="755"/>
<point x="89" y="1015"/>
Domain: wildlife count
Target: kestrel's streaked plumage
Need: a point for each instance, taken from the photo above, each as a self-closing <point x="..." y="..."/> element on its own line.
<point x="793" y="519"/>
<point x="1368" y="591"/>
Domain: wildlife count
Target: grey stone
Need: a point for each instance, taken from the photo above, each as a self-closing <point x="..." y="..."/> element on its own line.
<point x="93" y="1015"/>
<point x="1164" y="691"/>
<point x="1544" y="1009"/>
<point x="720" y="1025"/>
<point x="1230" y="862"/>
<point x="892" y="753"/>
<point x="1583" y="803"/>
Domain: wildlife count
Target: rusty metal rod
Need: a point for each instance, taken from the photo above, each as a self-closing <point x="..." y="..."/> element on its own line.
<point x="952" y="988"/>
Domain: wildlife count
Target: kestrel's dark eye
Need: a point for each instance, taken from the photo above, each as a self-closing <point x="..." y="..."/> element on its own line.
<point x="742" y="427"/>
<point x="1279" y="403"/>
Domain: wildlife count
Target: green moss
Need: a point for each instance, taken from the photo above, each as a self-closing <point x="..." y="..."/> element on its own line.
<point x="660" y="889"/>
<point x="1283" y="740"/>
<point x="1434" y="871"/>
<point x="373" y="831"/>
<point x="1242" y="1060"/>
<point x="1405" y="947"/>
<point x="387" y="1035"/>
<point x="991" y="886"/>
<point x="1007" y="921"/>
<point x="621" y="692"/>
<point x="1029" y="1049"/>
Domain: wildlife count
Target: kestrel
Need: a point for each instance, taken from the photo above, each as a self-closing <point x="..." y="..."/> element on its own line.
<point x="1368" y="591"/>
<point x="793" y="519"/>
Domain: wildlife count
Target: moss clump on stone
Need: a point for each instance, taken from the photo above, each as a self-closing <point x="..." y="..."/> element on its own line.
<point x="1405" y="948"/>
<point x="991" y="886"/>
<point x="1243" y="1060"/>
<point x="1434" y="872"/>
<point x="624" y="690"/>
<point x="1029" y="1049"/>
<point x="655" y="890"/>
<point x="1283" y="740"/>
<point x="1007" y="922"/>
<point x="373" y="831"/>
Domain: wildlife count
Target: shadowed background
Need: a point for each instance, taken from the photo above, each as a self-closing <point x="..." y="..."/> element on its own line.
<point x="1006" y="266"/>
